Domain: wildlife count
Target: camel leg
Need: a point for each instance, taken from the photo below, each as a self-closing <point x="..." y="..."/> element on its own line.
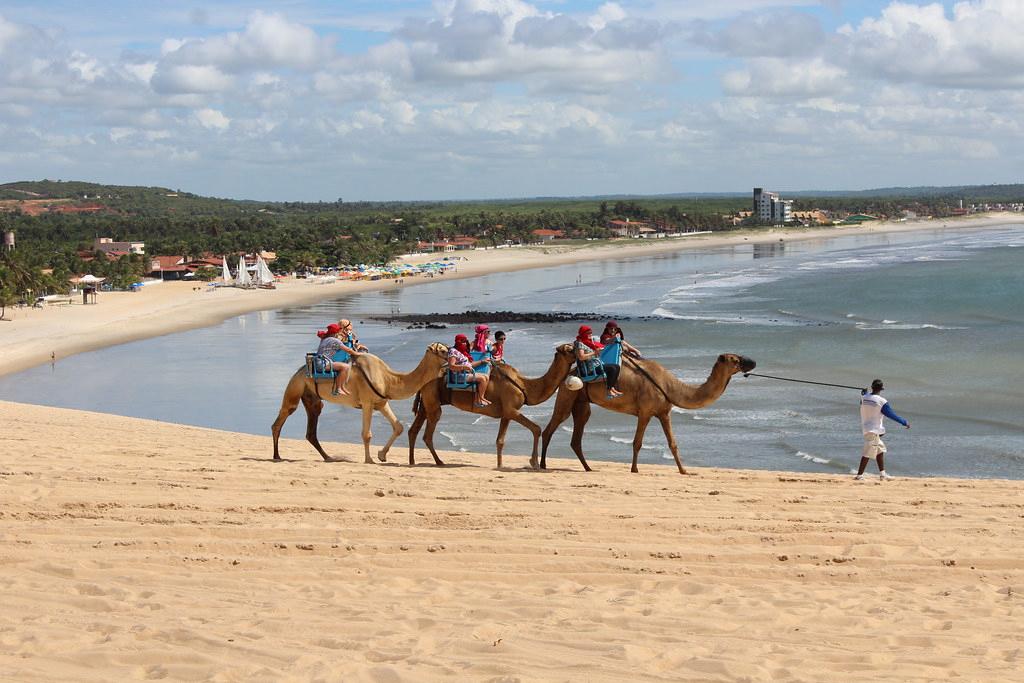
<point x="638" y="438"/>
<point x="535" y="430"/>
<point x="563" y="407"/>
<point x="499" y="443"/>
<point x="313" y="407"/>
<point x="666" y="426"/>
<point x="580" y="417"/>
<point x="414" y="430"/>
<point x="288" y="405"/>
<point x="433" y="417"/>
<point x="396" y="430"/>
<point x="367" y="434"/>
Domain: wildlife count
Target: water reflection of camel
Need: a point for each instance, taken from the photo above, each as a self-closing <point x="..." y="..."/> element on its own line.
<point x="649" y="391"/>
<point x="508" y="391"/>
<point x="371" y="385"/>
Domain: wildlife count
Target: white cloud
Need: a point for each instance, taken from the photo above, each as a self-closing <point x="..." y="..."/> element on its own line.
<point x="268" y="41"/>
<point x="212" y="119"/>
<point x="978" y="46"/>
<point x="189" y="78"/>
<point x="771" y="77"/>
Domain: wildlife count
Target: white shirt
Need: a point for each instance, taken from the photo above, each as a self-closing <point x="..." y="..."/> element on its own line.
<point x="871" y="414"/>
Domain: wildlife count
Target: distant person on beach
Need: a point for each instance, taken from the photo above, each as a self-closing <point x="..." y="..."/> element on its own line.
<point x="348" y="335"/>
<point x="588" y="351"/>
<point x="330" y="344"/>
<point x="498" y="347"/>
<point x="460" y="360"/>
<point x="872" y="409"/>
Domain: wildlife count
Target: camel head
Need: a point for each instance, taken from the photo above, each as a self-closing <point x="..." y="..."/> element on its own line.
<point x="438" y="351"/>
<point x="734" y="363"/>
<point x="564" y="351"/>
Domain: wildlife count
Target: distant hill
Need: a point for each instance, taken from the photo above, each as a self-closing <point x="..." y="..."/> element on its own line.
<point x="126" y="198"/>
<point x="153" y="201"/>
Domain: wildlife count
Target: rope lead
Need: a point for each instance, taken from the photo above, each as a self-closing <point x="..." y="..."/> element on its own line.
<point x="802" y="381"/>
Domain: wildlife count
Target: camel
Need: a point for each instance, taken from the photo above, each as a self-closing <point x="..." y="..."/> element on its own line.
<point x="649" y="391"/>
<point x="508" y="391"/>
<point x="371" y="385"/>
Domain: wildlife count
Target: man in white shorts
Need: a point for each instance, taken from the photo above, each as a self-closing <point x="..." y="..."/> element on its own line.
<point x="872" y="409"/>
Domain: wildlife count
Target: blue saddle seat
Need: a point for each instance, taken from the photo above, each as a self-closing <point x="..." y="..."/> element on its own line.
<point x="318" y="368"/>
<point x="459" y="380"/>
<point x="592" y="370"/>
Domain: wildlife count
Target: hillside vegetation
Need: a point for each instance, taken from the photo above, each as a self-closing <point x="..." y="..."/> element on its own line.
<point x="56" y="222"/>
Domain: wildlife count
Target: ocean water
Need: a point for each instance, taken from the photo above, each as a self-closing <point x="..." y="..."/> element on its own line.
<point x="938" y="315"/>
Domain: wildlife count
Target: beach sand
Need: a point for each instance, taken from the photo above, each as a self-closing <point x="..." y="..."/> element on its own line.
<point x="29" y="336"/>
<point x="134" y="549"/>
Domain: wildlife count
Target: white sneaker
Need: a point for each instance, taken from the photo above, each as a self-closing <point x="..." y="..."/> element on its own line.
<point x="858" y="477"/>
<point x="883" y="475"/>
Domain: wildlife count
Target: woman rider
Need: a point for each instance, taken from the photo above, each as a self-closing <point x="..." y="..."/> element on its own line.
<point x="459" y="359"/>
<point x="330" y="344"/>
<point x="586" y="349"/>
<point x="612" y="333"/>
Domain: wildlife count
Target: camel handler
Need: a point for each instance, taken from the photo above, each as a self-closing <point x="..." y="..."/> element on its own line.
<point x="872" y="409"/>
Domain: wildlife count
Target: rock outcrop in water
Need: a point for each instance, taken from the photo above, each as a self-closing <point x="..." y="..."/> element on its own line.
<point x="435" y="321"/>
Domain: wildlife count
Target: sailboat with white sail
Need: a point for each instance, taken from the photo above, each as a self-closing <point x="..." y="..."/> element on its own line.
<point x="242" y="279"/>
<point x="264" y="278"/>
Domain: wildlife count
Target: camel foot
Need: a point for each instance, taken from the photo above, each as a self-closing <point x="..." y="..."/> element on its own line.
<point x="533" y="463"/>
<point x="368" y="461"/>
<point x="382" y="455"/>
<point x="634" y="470"/>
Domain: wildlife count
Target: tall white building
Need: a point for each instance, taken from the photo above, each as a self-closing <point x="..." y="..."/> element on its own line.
<point x="770" y="208"/>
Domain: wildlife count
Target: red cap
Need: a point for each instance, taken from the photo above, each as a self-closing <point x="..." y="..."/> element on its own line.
<point x="585" y="329"/>
<point x="331" y="330"/>
<point x="461" y="338"/>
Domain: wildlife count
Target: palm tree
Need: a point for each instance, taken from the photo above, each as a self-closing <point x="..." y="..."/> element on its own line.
<point x="16" y="279"/>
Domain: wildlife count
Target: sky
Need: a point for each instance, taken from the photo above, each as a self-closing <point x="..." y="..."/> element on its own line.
<point x="472" y="99"/>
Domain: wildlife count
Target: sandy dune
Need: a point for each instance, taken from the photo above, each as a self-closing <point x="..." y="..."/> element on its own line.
<point x="134" y="549"/>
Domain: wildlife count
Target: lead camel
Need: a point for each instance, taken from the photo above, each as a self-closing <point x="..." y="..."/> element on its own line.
<point x="649" y="390"/>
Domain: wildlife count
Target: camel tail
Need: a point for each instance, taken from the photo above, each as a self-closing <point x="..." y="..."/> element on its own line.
<point x="416" y="402"/>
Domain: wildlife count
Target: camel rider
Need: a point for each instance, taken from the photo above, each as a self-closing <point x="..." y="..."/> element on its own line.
<point x="615" y="343"/>
<point x="498" y="348"/>
<point x="612" y="333"/>
<point x="482" y="346"/>
<point x="460" y="360"/>
<point x="587" y="351"/>
<point x="348" y="335"/>
<point x="872" y="409"/>
<point x="330" y="344"/>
